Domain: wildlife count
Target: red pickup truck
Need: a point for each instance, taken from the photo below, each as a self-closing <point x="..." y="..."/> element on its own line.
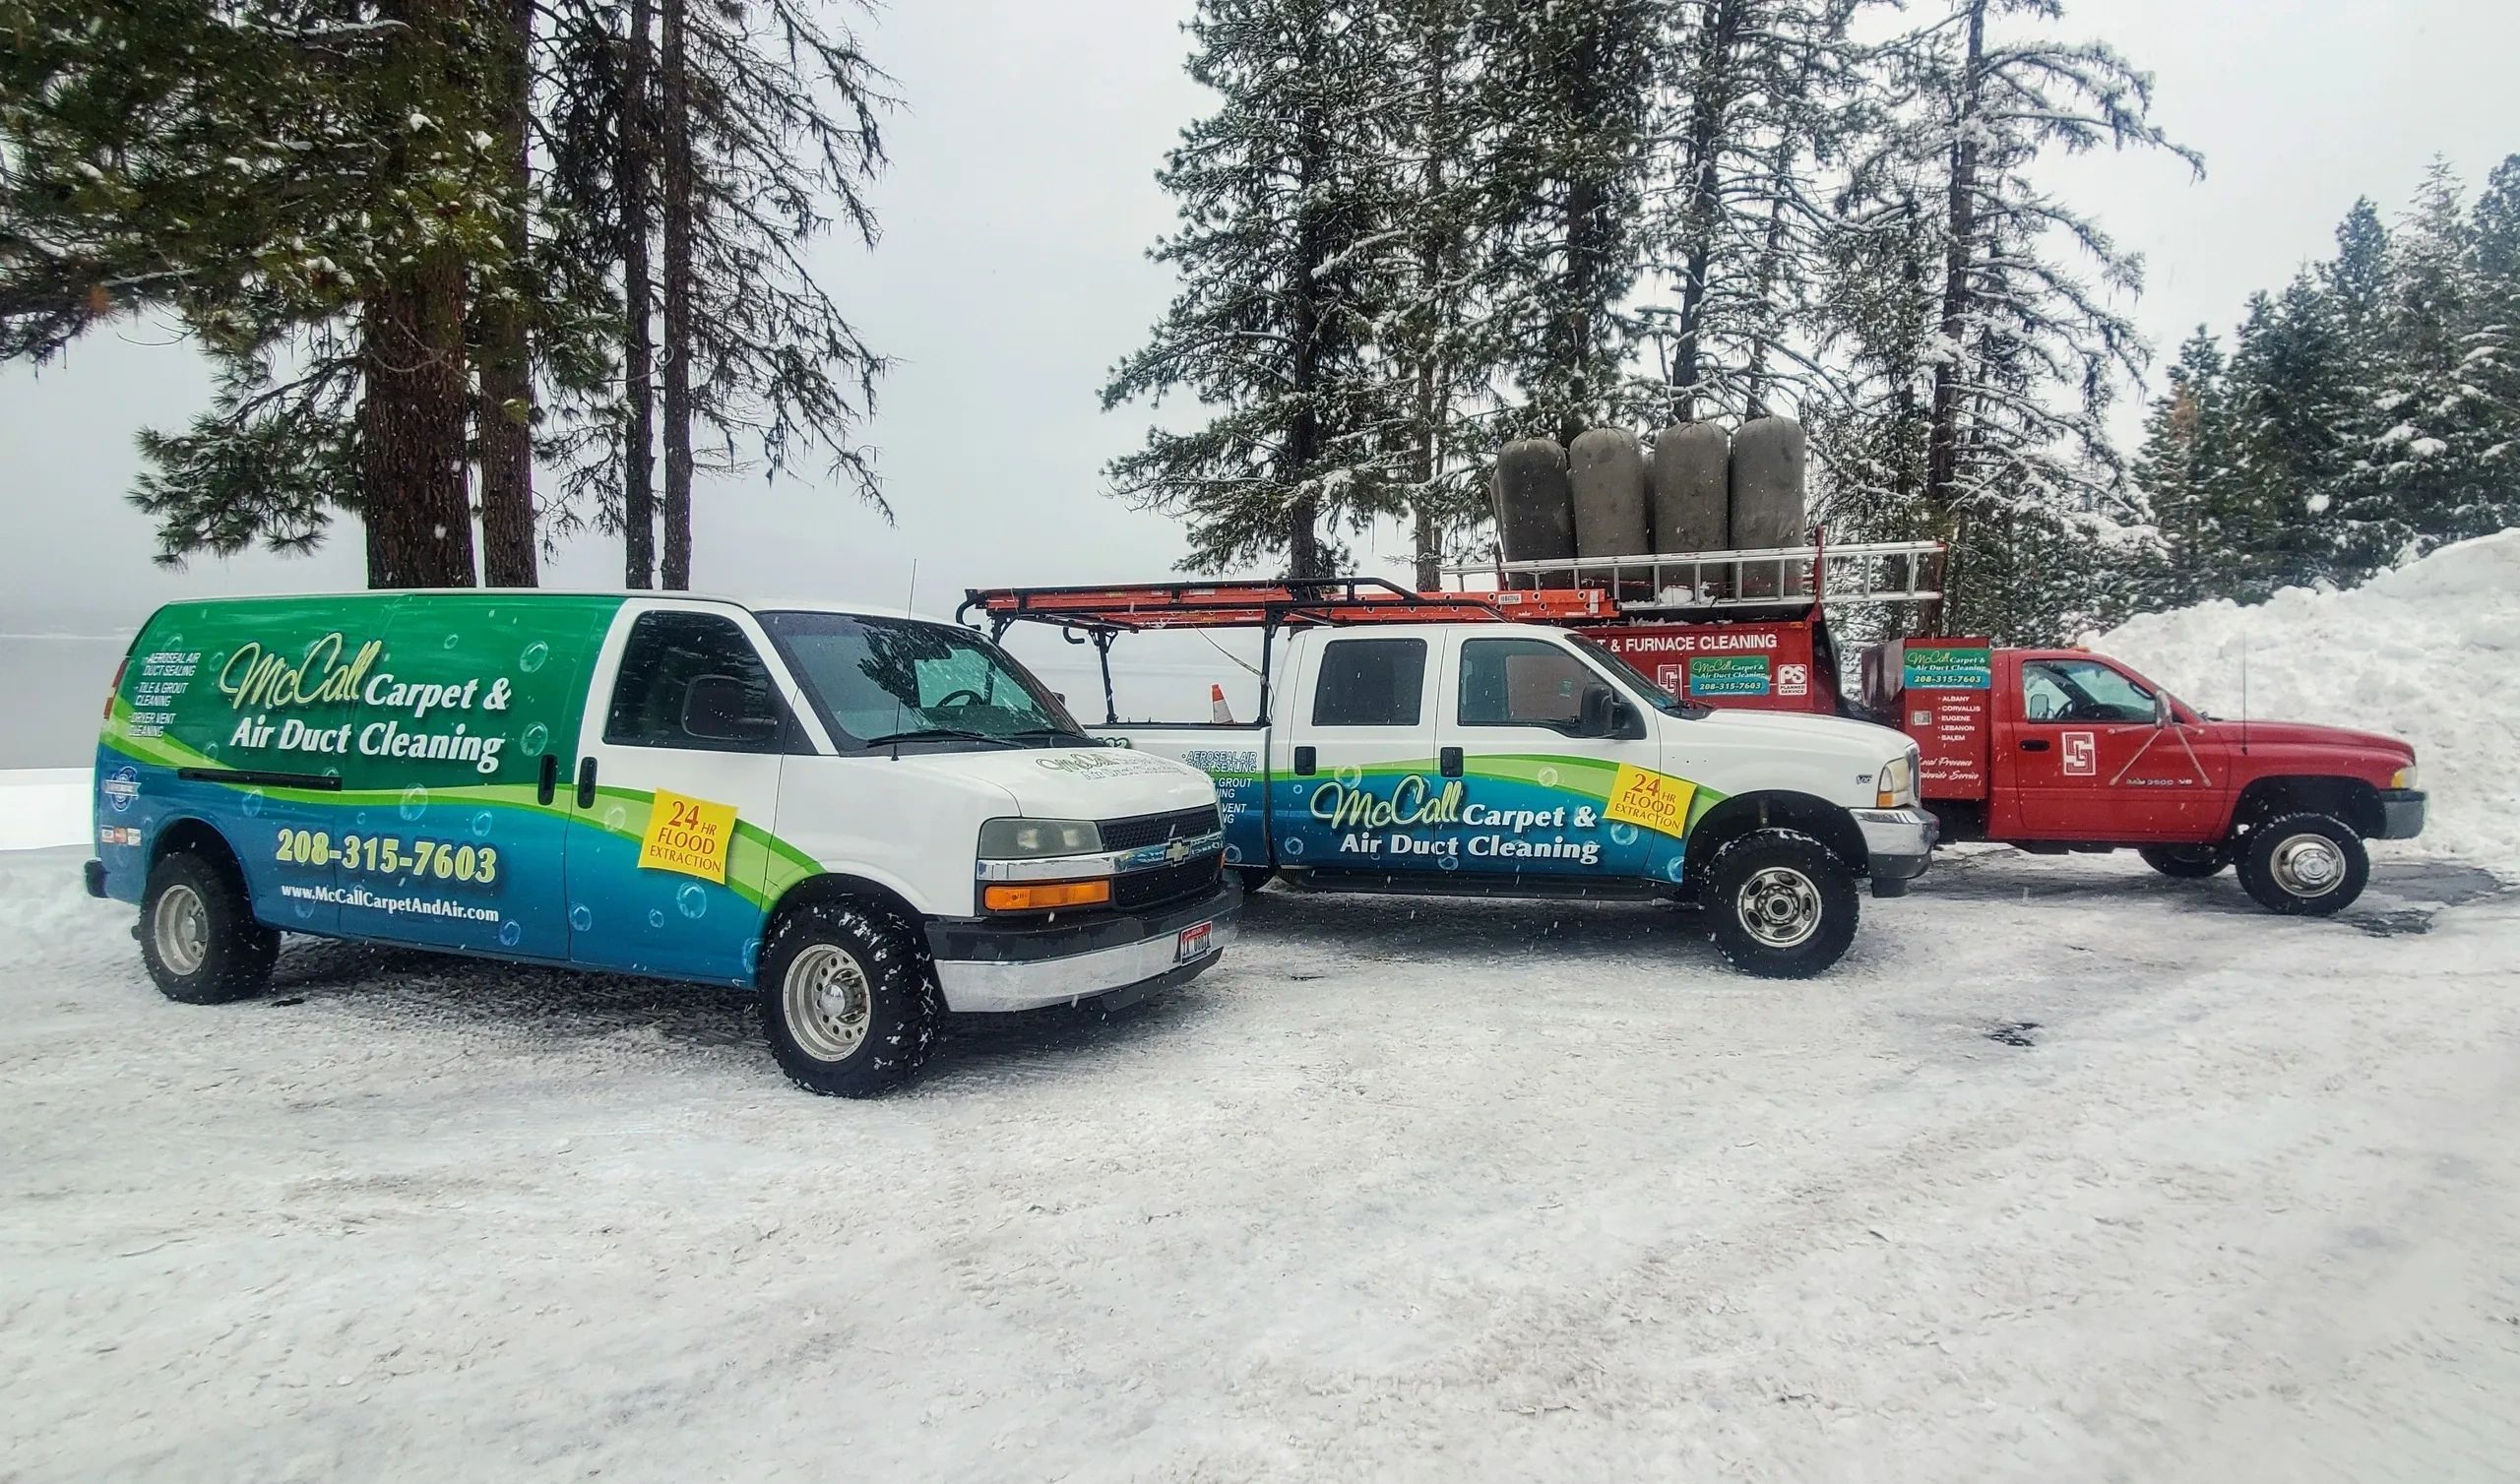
<point x="2046" y="750"/>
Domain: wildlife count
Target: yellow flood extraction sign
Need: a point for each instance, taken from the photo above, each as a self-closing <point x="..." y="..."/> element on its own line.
<point x="689" y="836"/>
<point x="1639" y="796"/>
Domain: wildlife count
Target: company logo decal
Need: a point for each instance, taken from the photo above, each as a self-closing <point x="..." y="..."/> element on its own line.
<point x="121" y="787"/>
<point x="689" y="836"/>
<point x="2082" y="755"/>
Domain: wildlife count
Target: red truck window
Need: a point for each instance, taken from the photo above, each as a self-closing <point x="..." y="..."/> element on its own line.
<point x="2063" y="691"/>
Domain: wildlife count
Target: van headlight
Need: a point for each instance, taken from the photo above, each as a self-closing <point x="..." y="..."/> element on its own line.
<point x="1895" y="785"/>
<point x="2404" y="778"/>
<point x="1029" y="839"/>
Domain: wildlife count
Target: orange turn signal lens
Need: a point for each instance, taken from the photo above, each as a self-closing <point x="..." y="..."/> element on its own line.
<point x="1041" y="896"/>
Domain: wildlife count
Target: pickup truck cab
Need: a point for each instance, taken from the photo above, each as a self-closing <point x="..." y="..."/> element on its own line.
<point x="1477" y="756"/>
<point x="869" y="818"/>
<point x="2062" y="749"/>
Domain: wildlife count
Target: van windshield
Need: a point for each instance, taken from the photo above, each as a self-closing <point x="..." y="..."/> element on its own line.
<point x="883" y="682"/>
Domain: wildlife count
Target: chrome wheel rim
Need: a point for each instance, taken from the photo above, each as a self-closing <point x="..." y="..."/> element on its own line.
<point x="2307" y="865"/>
<point x="180" y="929"/>
<point x="1779" y="906"/>
<point x="827" y="1002"/>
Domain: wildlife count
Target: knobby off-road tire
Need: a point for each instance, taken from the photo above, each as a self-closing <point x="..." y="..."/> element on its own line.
<point x="198" y="934"/>
<point x="849" y="999"/>
<point x="2304" y="865"/>
<point x="2187" y="862"/>
<point x="1780" y="904"/>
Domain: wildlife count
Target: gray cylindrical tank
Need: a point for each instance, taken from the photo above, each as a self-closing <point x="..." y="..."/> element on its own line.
<point x="1692" y="499"/>
<point x="1767" y="483"/>
<point x="1535" y="508"/>
<point x="1607" y="469"/>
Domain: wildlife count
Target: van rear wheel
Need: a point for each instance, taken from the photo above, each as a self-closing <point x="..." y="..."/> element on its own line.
<point x="1780" y="904"/>
<point x="849" y="999"/>
<point x="197" y="932"/>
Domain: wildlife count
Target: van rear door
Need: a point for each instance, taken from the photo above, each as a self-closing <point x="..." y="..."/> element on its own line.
<point x="675" y="793"/>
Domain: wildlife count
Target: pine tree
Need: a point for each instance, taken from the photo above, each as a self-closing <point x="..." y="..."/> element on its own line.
<point x="1282" y="251"/>
<point x="2027" y="351"/>
<point x="1565" y="106"/>
<point x="2183" y="467"/>
<point x="2289" y="396"/>
<point x="308" y="189"/>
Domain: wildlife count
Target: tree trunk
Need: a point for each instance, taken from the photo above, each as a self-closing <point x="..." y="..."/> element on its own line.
<point x="1942" y="445"/>
<point x="505" y="419"/>
<point x="410" y="446"/>
<point x="1706" y="183"/>
<point x="414" y="404"/>
<point x="1433" y="410"/>
<point x="675" y="93"/>
<point x="636" y="172"/>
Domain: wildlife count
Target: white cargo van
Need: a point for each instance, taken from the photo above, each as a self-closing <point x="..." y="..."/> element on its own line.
<point x="873" y="818"/>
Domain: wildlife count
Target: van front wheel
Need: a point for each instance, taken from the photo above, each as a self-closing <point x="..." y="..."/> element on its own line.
<point x="847" y="999"/>
<point x="1780" y="904"/>
<point x="198" y="934"/>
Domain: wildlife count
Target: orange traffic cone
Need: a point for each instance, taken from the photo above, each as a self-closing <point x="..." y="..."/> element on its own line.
<point x="1218" y="712"/>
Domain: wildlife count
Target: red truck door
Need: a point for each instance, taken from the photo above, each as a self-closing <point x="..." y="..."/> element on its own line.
<point x="2082" y="756"/>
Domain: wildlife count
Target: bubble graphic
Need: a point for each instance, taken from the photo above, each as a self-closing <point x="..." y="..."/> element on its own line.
<point x="534" y="738"/>
<point x="1234" y="855"/>
<point x="1350" y="775"/>
<point x="253" y="803"/>
<point x="360" y="819"/>
<point x="1622" y="834"/>
<point x="655" y="918"/>
<point x="1448" y="863"/>
<point x="452" y="640"/>
<point x="304" y="909"/>
<point x="511" y="933"/>
<point x="483" y="825"/>
<point x="1678" y="870"/>
<point x="752" y="955"/>
<point x="1548" y="777"/>
<point x="533" y="656"/>
<point x="1292" y="845"/>
<point x="331" y="773"/>
<point x="212" y="750"/>
<point x="581" y="917"/>
<point x="415" y="801"/>
<point x="691" y="899"/>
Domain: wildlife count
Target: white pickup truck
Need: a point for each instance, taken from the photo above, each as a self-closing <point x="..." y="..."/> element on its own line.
<point x="1475" y="755"/>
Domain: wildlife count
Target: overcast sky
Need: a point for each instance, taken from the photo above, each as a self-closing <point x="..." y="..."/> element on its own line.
<point x="1013" y="273"/>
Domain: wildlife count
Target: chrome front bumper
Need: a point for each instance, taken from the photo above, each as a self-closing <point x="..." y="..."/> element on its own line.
<point x="995" y="968"/>
<point x="1898" y="844"/>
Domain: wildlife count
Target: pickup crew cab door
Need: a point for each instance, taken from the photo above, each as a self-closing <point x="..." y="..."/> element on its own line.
<point x="1354" y="786"/>
<point x="674" y="790"/>
<point x="2088" y="759"/>
<point x="1538" y="735"/>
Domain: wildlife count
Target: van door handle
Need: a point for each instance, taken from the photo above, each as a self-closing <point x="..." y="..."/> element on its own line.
<point x="2034" y="744"/>
<point x="549" y="783"/>
<point x="1305" y="761"/>
<point x="1448" y="762"/>
<point x="586" y="784"/>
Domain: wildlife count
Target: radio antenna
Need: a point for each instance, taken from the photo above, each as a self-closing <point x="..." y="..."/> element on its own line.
<point x="910" y="604"/>
<point x="2244" y="693"/>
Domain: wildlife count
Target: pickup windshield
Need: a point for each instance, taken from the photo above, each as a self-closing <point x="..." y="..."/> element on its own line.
<point x="882" y="682"/>
<point x="1637" y="680"/>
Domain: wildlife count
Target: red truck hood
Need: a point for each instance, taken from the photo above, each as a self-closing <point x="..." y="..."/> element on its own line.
<point x="2304" y="734"/>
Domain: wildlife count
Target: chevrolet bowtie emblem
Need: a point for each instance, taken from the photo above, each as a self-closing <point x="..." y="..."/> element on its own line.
<point x="1177" y="851"/>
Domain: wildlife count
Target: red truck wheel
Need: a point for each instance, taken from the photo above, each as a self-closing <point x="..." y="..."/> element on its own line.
<point x="2304" y="865"/>
<point x="2187" y="862"/>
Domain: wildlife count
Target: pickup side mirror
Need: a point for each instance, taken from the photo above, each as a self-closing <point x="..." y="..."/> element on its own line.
<point x="1627" y="724"/>
<point x="2162" y="713"/>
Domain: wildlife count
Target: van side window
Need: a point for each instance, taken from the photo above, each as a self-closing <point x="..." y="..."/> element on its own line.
<point x="1524" y="682"/>
<point x="1370" y="682"/>
<point x="692" y="680"/>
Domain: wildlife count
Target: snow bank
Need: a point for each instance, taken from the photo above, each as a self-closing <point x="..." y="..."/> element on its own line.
<point x="2429" y="652"/>
<point x="42" y="807"/>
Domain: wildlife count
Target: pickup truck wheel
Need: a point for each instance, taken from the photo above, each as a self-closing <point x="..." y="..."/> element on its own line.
<point x="849" y="1000"/>
<point x="1780" y="904"/>
<point x="198" y="934"/>
<point x="2187" y="862"/>
<point x="2304" y="865"/>
<point x="1253" y="876"/>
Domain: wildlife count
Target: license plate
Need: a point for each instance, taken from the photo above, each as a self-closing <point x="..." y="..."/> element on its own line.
<point x="1196" y="941"/>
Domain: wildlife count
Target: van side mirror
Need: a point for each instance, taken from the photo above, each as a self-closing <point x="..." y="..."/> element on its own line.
<point x="723" y="709"/>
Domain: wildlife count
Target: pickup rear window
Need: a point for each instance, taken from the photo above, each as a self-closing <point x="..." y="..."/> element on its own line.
<point x="1372" y="682"/>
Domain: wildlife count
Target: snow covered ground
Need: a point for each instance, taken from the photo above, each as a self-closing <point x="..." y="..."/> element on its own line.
<point x="2069" y="1172"/>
